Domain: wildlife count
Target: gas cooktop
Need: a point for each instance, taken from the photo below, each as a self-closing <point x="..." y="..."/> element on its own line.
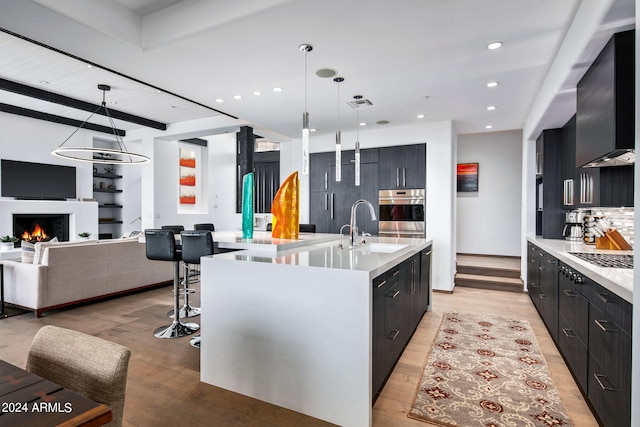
<point x="606" y="260"/>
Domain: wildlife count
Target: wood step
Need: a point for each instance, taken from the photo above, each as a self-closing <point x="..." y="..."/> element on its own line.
<point x="496" y="283"/>
<point x="488" y="265"/>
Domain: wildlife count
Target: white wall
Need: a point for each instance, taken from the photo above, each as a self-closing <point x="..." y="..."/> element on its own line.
<point x="488" y="222"/>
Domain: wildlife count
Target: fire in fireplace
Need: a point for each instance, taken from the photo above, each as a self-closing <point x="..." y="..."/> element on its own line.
<point x="37" y="235"/>
<point x="41" y="227"/>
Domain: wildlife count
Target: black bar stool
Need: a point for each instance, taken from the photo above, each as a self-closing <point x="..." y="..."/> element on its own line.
<point x="175" y="228"/>
<point x="204" y="226"/>
<point x="196" y="244"/>
<point x="161" y="246"/>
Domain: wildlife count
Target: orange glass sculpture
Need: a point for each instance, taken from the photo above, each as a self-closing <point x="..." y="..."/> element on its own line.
<point x="286" y="209"/>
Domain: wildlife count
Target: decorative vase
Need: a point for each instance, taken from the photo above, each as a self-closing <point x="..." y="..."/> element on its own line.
<point x="247" y="206"/>
<point x="286" y="209"/>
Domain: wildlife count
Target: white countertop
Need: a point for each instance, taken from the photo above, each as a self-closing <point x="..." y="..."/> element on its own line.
<point x="617" y="280"/>
<point x="323" y="251"/>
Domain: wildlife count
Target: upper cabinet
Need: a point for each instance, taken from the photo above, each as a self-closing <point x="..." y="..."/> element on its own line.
<point x="402" y="166"/>
<point x="605" y="104"/>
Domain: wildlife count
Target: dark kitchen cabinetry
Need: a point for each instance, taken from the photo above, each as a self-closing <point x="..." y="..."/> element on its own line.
<point x="605" y="102"/>
<point x="594" y="337"/>
<point x="552" y="218"/>
<point x="543" y="287"/>
<point x="568" y="161"/>
<point x="330" y="201"/>
<point x="402" y="166"/>
<point x="400" y="298"/>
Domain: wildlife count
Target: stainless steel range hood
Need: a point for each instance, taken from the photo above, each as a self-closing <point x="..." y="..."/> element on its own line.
<point x="623" y="157"/>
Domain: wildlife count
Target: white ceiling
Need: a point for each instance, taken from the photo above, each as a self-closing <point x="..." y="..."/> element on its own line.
<point x="408" y="57"/>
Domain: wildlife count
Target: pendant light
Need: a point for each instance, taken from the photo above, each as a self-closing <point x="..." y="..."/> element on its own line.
<point x="357" y="153"/>
<point x="338" y="136"/>
<point x="109" y="156"/>
<point x="306" y="48"/>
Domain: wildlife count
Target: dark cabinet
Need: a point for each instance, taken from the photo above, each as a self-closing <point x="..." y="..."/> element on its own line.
<point x="568" y="161"/>
<point x="594" y="336"/>
<point x="330" y="201"/>
<point x="553" y="216"/>
<point x="543" y="287"/>
<point x="400" y="298"/>
<point x="402" y="166"/>
<point x="606" y="102"/>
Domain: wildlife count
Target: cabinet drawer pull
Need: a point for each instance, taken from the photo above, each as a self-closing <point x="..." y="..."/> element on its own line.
<point x="542" y="296"/>
<point x="599" y="378"/>
<point x="326" y="201"/>
<point x="332" y="205"/>
<point x="326" y="180"/>
<point x="395" y="294"/>
<point x="570" y="293"/>
<point x="397" y="177"/>
<point x="602" y="324"/>
<point x="603" y="298"/>
<point x="541" y="268"/>
<point x="381" y="284"/>
<point x="569" y="332"/>
<point x="426" y="253"/>
<point x="552" y="261"/>
<point x="395" y="273"/>
<point x="534" y="285"/>
<point x="394" y="333"/>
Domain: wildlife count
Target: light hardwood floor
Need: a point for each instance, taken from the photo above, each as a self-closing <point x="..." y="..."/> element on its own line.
<point x="163" y="386"/>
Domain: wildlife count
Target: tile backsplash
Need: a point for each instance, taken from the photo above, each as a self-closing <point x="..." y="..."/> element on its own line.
<point x="620" y="218"/>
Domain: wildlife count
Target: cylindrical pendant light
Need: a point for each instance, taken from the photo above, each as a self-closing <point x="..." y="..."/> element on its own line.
<point x="338" y="136"/>
<point x="306" y="48"/>
<point x="357" y="153"/>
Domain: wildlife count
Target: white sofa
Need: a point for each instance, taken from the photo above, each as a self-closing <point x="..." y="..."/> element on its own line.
<point x="68" y="273"/>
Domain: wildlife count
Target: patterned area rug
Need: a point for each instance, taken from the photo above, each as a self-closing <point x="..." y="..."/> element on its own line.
<point x="487" y="371"/>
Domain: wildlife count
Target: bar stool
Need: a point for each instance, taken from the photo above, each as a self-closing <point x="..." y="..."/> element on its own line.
<point x="161" y="246"/>
<point x="175" y="228"/>
<point x="204" y="226"/>
<point x="196" y="244"/>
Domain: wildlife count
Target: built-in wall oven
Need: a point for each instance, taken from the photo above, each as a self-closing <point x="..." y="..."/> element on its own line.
<point x="401" y="213"/>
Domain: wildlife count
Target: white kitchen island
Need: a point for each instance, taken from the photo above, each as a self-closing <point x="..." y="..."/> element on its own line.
<point x="292" y="325"/>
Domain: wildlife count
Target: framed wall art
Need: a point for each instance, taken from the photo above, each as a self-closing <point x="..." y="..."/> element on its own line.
<point x="467" y="177"/>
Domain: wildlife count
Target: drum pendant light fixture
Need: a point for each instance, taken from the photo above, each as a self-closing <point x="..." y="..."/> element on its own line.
<point x="109" y="156"/>
<point x="306" y="48"/>
<point x="338" y="136"/>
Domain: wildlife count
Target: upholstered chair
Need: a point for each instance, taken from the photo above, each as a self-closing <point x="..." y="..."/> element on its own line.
<point x="88" y="365"/>
<point x="204" y="226"/>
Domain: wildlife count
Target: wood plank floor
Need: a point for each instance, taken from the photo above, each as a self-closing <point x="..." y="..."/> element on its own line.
<point x="163" y="386"/>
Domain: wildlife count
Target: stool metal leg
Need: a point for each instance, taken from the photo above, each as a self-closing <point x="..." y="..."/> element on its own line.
<point x="187" y="310"/>
<point x="176" y="328"/>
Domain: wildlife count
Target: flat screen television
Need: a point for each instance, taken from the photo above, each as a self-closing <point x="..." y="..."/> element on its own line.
<point x="37" y="181"/>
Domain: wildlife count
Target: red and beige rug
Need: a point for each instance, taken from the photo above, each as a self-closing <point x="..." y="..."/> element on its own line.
<point x="487" y="371"/>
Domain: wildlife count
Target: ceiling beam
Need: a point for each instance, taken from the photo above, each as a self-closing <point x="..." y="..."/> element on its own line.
<point x="44" y="95"/>
<point x="197" y="141"/>
<point x="12" y="109"/>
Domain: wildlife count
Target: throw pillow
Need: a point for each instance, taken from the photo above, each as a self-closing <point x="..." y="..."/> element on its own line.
<point x="28" y="251"/>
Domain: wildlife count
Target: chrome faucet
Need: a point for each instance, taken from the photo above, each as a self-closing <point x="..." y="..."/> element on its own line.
<point x="353" y="227"/>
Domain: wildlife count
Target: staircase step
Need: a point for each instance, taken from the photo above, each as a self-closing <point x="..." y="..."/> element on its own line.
<point x="480" y="270"/>
<point x="488" y="265"/>
<point x="497" y="283"/>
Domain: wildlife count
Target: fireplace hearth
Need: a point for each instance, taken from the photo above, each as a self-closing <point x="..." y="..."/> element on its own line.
<point x="35" y="225"/>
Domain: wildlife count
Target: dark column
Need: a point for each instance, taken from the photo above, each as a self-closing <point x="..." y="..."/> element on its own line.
<point x="245" y="146"/>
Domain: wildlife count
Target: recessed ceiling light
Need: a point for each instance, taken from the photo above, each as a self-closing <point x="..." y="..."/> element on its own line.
<point x="425" y="97"/>
<point x="420" y="116"/>
<point x="219" y="100"/>
<point x="488" y="127"/>
<point x="491" y="107"/>
<point x="89" y="66"/>
<point x="277" y="89"/>
<point x="237" y="96"/>
<point x="114" y="102"/>
<point x="326" y="73"/>
<point x="44" y="82"/>
<point x="257" y="92"/>
<point x="313" y="130"/>
<point x="492" y="84"/>
<point x="158" y="91"/>
<point x="494" y="45"/>
<point x="363" y="123"/>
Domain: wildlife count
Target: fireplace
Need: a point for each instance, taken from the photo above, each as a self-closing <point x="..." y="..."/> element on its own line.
<point x="51" y="225"/>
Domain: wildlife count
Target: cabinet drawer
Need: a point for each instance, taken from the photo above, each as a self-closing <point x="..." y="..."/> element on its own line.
<point x="611" y="405"/>
<point x="611" y="347"/>
<point x="574" y="351"/>
<point x="575" y="309"/>
<point x="616" y="308"/>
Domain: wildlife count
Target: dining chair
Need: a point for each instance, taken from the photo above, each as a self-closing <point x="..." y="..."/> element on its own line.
<point x="88" y="365"/>
<point x="204" y="226"/>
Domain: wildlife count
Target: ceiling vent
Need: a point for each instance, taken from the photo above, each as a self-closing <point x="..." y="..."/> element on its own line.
<point x="360" y="103"/>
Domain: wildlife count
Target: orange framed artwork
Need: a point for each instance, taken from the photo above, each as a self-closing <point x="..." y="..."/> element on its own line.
<point x="467" y="177"/>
